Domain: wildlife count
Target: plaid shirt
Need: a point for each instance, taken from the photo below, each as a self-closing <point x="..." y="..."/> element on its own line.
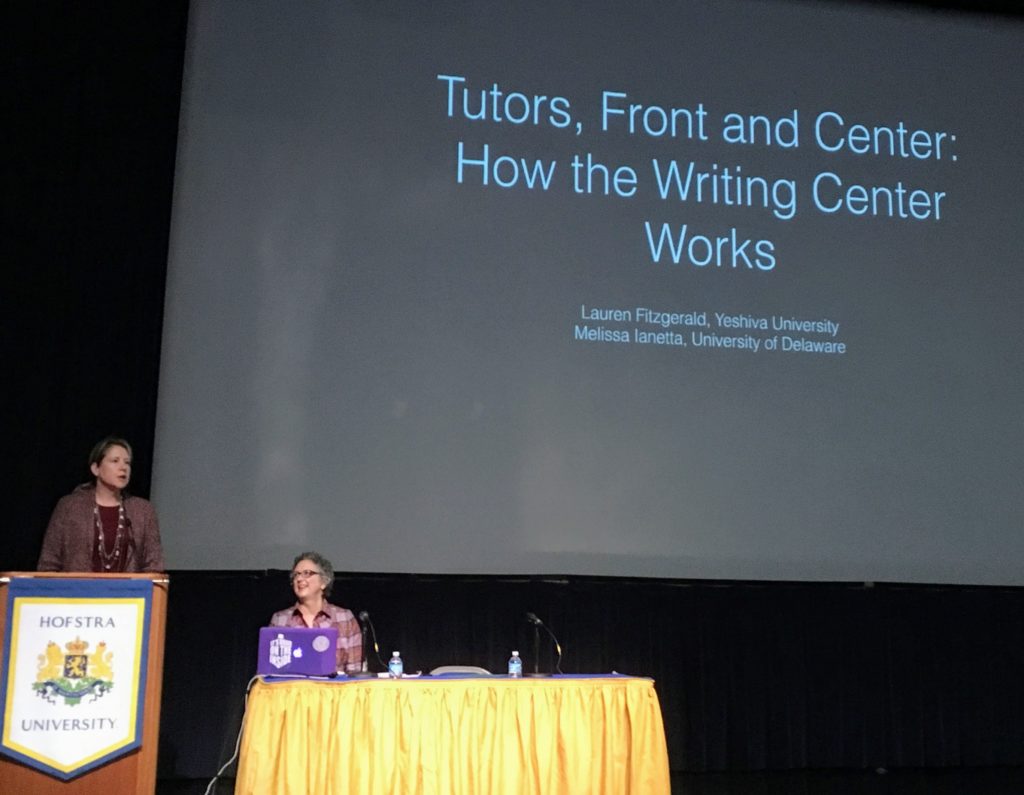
<point x="350" y="636"/>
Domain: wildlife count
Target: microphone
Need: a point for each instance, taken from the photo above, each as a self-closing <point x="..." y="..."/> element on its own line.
<point x="130" y="547"/>
<point x="537" y="625"/>
<point x="364" y="617"/>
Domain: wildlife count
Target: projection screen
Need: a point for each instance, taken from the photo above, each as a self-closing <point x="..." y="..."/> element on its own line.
<point x="664" y="289"/>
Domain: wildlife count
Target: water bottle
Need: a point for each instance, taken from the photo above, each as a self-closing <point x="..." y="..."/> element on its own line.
<point x="515" y="665"/>
<point x="395" y="665"/>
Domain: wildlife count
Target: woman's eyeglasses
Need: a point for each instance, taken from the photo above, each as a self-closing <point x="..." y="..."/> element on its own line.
<point x="304" y="574"/>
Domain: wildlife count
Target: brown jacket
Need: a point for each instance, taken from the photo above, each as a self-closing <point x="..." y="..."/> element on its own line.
<point x="69" y="540"/>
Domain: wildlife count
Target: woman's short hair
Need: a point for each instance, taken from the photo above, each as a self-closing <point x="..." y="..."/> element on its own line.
<point x="101" y="447"/>
<point x="322" y="563"/>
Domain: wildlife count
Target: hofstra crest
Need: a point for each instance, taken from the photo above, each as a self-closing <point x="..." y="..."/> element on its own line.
<point x="73" y="674"/>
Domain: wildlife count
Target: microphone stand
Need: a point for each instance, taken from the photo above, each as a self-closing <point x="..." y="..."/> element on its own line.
<point x="537" y="624"/>
<point x="364" y="622"/>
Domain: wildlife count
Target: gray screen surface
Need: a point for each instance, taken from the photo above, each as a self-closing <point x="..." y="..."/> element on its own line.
<point x="723" y="290"/>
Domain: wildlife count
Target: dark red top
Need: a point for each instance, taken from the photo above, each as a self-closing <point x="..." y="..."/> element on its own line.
<point x="108" y="516"/>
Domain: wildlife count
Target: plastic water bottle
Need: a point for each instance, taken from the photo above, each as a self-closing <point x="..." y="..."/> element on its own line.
<point x="395" y="666"/>
<point x="515" y="665"/>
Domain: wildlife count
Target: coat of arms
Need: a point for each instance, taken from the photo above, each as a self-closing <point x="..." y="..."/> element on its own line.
<point x="74" y="674"/>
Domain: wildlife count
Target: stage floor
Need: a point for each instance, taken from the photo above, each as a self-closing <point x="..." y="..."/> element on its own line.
<point x="952" y="781"/>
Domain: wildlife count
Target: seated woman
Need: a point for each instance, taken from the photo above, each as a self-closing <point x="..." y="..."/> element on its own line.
<point x="312" y="578"/>
<point x="99" y="526"/>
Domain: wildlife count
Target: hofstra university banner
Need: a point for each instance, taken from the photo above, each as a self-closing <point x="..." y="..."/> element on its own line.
<point x="74" y="668"/>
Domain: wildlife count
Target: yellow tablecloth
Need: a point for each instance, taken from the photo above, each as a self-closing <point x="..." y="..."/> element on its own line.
<point x="438" y="736"/>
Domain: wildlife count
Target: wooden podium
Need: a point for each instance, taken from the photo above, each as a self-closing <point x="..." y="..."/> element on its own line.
<point x="135" y="771"/>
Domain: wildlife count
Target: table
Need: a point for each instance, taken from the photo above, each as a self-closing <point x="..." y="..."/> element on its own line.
<point x="561" y="735"/>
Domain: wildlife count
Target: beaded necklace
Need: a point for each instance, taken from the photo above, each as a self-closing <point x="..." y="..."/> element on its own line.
<point x="110" y="561"/>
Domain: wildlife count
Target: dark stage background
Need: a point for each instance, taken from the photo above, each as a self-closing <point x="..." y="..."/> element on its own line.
<point x="751" y="676"/>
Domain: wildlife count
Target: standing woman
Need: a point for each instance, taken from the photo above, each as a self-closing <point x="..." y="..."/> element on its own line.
<point x="100" y="527"/>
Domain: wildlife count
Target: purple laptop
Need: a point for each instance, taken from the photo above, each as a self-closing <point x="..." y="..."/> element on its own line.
<point x="297" y="651"/>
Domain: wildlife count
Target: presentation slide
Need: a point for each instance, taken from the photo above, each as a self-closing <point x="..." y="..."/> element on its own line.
<point x="724" y="290"/>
